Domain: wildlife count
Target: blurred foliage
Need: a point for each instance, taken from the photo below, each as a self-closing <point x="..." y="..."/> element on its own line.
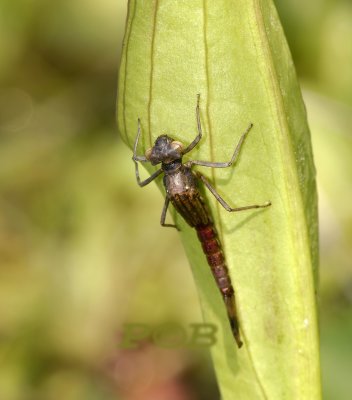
<point x="81" y="250"/>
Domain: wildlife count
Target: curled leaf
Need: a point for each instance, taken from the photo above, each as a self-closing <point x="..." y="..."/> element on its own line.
<point x="235" y="55"/>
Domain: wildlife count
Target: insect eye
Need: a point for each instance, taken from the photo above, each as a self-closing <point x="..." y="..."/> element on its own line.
<point x="148" y="154"/>
<point x="177" y="145"/>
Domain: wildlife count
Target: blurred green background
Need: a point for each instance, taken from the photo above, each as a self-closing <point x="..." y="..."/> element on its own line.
<point x="81" y="249"/>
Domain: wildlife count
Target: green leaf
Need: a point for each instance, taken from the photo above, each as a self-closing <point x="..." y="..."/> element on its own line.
<point x="235" y="55"/>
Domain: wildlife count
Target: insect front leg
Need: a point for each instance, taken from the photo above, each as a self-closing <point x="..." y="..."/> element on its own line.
<point x="223" y="202"/>
<point x="148" y="180"/>
<point x="137" y="158"/>
<point x="199" y="127"/>
<point x="163" y="215"/>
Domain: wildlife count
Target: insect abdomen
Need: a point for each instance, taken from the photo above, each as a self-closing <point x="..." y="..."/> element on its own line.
<point x="212" y="250"/>
<point x="191" y="206"/>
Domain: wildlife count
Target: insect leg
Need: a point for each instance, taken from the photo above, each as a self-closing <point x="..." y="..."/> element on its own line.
<point x="223" y="202"/>
<point x="137" y="158"/>
<point x="199" y="126"/>
<point x="163" y="215"/>
<point x="148" y="180"/>
<point x="223" y="164"/>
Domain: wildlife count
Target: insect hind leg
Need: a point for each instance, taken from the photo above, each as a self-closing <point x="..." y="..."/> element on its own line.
<point x="223" y="202"/>
<point x="163" y="215"/>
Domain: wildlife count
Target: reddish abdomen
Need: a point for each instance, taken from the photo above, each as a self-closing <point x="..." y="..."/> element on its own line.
<point x="212" y="250"/>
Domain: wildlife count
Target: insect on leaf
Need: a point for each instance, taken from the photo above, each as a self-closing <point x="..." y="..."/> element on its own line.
<point x="235" y="55"/>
